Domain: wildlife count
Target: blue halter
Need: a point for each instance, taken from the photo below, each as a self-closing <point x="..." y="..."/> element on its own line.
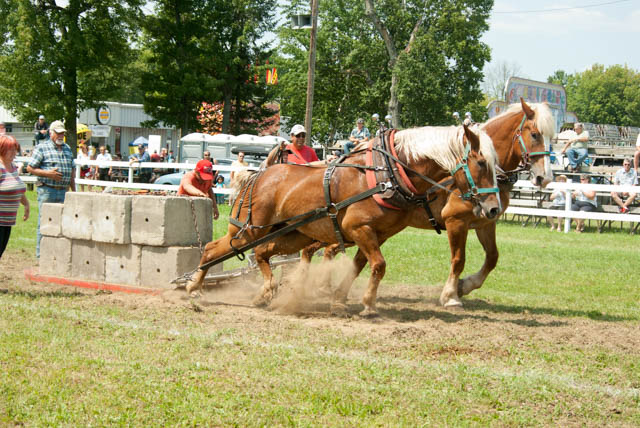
<point x="473" y="189"/>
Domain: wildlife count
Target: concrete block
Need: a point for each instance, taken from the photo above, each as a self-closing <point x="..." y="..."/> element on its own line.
<point x="87" y="260"/>
<point x="77" y="214"/>
<point x="160" y="265"/>
<point x="122" y="264"/>
<point x="51" y="219"/>
<point x="168" y="221"/>
<point x="111" y="218"/>
<point x="55" y="256"/>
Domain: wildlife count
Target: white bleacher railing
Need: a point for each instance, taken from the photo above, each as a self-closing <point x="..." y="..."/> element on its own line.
<point x="131" y="167"/>
<point x="567" y="214"/>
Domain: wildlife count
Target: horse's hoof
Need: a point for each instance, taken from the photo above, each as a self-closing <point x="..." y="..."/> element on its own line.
<point x="453" y="305"/>
<point x="261" y="301"/>
<point x="339" y="310"/>
<point x="369" y="313"/>
<point x="195" y="294"/>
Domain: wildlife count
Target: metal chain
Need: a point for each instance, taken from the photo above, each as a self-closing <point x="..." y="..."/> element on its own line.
<point x="195" y="223"/>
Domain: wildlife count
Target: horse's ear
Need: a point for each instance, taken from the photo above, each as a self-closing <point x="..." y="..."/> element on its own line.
<point x="527" y="110"/>
<point x="472" y="138"/>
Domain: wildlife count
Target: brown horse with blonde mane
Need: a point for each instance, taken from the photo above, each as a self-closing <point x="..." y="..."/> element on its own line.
<point x="520" y="136"/>
<point x="285" y="191"/>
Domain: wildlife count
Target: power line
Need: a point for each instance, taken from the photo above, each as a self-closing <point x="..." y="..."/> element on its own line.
<point x="561" y="9"/>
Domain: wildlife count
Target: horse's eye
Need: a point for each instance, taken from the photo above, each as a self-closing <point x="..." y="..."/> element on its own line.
<point x="535" y="135"/>
<point x="482" y="163"/>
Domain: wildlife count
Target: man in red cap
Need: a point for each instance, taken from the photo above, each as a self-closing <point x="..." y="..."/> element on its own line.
<point x="199" y="182"/>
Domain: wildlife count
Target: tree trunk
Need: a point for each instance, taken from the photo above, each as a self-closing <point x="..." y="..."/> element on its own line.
<point x="226" y="111"/>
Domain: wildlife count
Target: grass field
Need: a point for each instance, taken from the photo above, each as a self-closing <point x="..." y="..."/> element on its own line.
<point x="551" y="339"/>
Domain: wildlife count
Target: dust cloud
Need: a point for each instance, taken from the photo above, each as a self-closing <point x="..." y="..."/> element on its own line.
<point x="305" y="287"/>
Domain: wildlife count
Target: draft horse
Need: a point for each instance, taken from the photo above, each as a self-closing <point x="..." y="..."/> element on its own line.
<point x="521" y="137"/>
<point x="283" y="192"/>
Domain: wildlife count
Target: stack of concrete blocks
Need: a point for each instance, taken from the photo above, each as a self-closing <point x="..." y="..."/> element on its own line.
<point x="132" y="240"/>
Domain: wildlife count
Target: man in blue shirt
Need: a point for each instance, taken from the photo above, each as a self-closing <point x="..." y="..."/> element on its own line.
<point x="144" y="174"/>
<point x="52" y="162"/>
<point x="359" y="134"/>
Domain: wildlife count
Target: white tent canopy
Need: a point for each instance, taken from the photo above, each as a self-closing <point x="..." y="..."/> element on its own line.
<point x="243" y="139"/>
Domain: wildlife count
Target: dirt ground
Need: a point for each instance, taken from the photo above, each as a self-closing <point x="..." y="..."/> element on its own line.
<point x="407" y="313"/>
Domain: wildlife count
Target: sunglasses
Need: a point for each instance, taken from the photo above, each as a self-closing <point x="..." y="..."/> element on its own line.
<point x="302" y="134"/>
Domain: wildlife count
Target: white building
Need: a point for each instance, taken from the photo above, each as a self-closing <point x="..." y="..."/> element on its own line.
<point x="114" y="124"/>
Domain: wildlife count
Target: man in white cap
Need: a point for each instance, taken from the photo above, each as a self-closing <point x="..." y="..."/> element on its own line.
<point x="52" y="162"/>
<point x="40" y="129"/>
<point x="296" y="152"/>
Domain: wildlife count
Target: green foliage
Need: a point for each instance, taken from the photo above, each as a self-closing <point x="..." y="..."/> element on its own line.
<point x="58" y="60"/>
<point x="438" y="74"/>
<point x="204" y="51"/>
<point x="603" y="94"/>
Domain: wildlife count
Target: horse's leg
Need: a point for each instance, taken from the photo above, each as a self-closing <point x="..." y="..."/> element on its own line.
<point x="457" y="230"/>
<point x="212" y="251"/>
<point x="339" y="301"/>
<point x="287" y="244"/>
<point x="367" y="241"/>
<point x="487" y="237"/>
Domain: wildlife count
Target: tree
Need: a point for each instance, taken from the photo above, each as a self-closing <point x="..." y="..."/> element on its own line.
<point x="419" y="60"/>
<point x="58" y="60"/>
<point x="603" y="94"/>
<point x="205" y="51"/>
<point x="496" y="77"/>
<point x="559" y="77"/>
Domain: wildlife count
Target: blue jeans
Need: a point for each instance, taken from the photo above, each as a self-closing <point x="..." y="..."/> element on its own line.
<point x="348" y="146"/>
<point x="576" y="157"/>
<point x="46" y="195"/>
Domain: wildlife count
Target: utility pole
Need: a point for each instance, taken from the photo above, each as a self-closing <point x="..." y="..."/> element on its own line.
<point x="311" y="71"/>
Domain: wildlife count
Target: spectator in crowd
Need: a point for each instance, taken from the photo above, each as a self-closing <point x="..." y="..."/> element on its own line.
<point x="163" y="154"/>
<point x="171" y="158"/>
<point x="12" y="190"/>
<point x="359" y="134"/>
<point x="85" y="170"/>
<point x="559" y="199"/>
<point x="52" y="162"/>
<point x="577" y="153"/>
<point x="104" y="172"/>
<point x="636" y="156"/>
<point x="144" y="174"/>
<point x="3" y="128"/>
<point x="40" y="129"/>
<point x="584" y="200"/>
<point x="468" y="120"/>
<point x="238" y="162"/>
<point x="220" y="185"/>
<point x="156" y="172"/>
<point x="624" y="177"/>
<point x="199" y="182"/>
<point x="207" y="156"/>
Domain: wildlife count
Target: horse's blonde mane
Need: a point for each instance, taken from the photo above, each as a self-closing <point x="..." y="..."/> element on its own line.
<point x="545" y="122"/>
<point x="442" y="144"/>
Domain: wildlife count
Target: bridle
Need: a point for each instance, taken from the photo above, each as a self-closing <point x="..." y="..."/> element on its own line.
<point x="473" y="191"/>
<point x="525" y="163"/>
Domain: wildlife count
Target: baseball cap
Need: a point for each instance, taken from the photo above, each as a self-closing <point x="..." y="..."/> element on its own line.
<point x="298" y="129"/>
<point x="41" y="116"/>
<point x="205" y="167"/>
<point x="57" y="126"/>
<point x="361" y="120"/>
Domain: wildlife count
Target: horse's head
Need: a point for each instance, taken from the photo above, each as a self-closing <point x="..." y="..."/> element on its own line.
<point x="522" y="137"/>
<point x="535" y="136"/>
<point x="475" y="175"/>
